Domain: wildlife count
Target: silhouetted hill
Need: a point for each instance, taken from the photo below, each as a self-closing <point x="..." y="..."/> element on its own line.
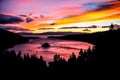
<point x="60" y="33"/>
<point x="51" y="33"/>
<point x="95" y="38"/>
<point x="101" y="61"/>
<point x="9" y="39"/>
<point x="107" y="45"/>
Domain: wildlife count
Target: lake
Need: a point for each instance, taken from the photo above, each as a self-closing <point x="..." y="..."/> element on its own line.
<point x="62" y="47"/>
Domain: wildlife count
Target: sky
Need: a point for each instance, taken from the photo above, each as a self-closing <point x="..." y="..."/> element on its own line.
<point x="50" y="15"/>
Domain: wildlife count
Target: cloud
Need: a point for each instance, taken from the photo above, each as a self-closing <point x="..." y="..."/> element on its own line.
<point x="28" y="19"/>
<point x="41" y="16"/>
<point x="105" y="6"/>
<point x="14" y="28"/>
<point x="7" y="19"/>
<point x="91" y="5"/>
<point x="45" y="28"/>
<point x="99" y="6"/>
<point x="52" y="13"/>
<point x="23" y="15"/>
<point x="69" y="27"/>
<point x="68" y="16"/>
<point x="68" y="11"/>
<point x="46" y="23"/>
<point x="101" y="12"/>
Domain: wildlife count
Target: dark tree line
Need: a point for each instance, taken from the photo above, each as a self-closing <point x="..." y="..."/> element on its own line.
<point x="31" y="66"/>
<point x="101" y="61"/>
<point x="91" y="62"/>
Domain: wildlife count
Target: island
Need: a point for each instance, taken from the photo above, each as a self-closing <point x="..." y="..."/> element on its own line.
<point x="45" y="45"/>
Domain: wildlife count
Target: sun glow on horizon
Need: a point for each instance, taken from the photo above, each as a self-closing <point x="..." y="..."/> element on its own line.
<point x="55" y="14"/>
<point x="57" y="28"/>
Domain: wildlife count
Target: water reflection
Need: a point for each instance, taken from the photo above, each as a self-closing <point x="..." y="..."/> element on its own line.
<point x="62" y="47"/>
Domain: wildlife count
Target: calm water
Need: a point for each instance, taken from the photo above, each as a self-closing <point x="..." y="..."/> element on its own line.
<point x="62" y="47"/>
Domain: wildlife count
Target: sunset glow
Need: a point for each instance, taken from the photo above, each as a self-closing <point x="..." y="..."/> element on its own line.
<point x="51" y="15"/>
<point x="51" y="39"/>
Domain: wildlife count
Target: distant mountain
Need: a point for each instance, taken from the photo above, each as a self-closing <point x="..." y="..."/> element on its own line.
<point x="60" y="33"/>
<point x="95" y="38"/>
<point x="52" y="33"/>
<point x="26" y="33"/>
<point x="9" y="39"/>
<point x="116" y="26"/>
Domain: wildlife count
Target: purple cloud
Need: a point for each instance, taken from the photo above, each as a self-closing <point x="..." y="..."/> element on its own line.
<point x="45" y="28"/>
<point x="7" y="19"/>
<point x="28" y="19"/>
<point x="14" y="28"/>
<point x="74" y="27"/>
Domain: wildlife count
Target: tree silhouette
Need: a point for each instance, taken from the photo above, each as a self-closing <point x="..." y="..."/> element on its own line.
<point x="111" y="27"/>
<point x="56" y="58"/>
<point x="72" y="59"/>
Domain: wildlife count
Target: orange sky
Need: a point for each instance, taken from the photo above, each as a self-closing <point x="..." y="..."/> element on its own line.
<point x="99" y="10"/>
<point x="112" y="13"/>
<point x="109" y="14"/>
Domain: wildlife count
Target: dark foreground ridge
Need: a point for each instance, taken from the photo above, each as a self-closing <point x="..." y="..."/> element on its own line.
<point x="101" y="61"/>
<point x="95" y="38"/>
<point x="107" y="43"/>
<point x="9" y="39"/>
